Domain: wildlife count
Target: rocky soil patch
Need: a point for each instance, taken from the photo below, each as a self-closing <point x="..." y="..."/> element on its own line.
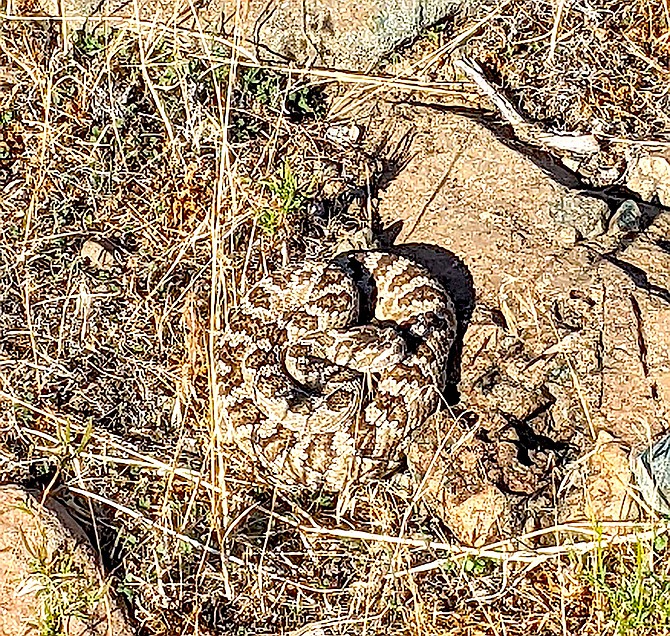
<point x="565" y="344"/>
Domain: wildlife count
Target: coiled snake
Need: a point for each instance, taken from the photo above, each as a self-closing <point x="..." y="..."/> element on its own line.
<point x="326" y="367"/>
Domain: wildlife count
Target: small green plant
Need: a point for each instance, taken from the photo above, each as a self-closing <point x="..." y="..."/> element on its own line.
<point x="434" y="33"/>
<point x="63" y="593"/>
<point x="127" y="588"/>
<point x="245" y="127"/>
<point x="635" y="587"/>
<point x="262" y="85"/>
<point x="472" y="565"/>
<point x="64" y="590"/>
<point x="96" y="131"/>
<point x="89" y="43"/>
<point x="477" y="566"/>
<point x="69" y="446"/>
<point x="267" y="87"/>
<point x="6" y="117"/>
<point x="287" y="198"/>
<point x="305" y="101"/>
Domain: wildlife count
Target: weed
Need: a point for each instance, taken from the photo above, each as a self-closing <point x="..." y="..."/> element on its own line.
<point x="6" y="117"/>
<point x="434" y="33"/>
<point x="635" y="587"/>
<point x="477" y="566"/>
<point x="288" y="197"/>
<point x="261" y="85"/>
<point x="245" y="127"/>
<point x="305" y="102"/>
<point x="63" y="589"/>
<point x="89" y="43"/>
<point x="207" y="79"/>
<point x="267" y="87"/>
<point x="474" y="566"/>
<point x="69" y="447"/>
<point x="609" y="83"/>
<point x="63" y="593"/>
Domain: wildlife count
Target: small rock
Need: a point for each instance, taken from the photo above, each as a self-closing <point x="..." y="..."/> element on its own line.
<point x="627" y="218"/>
<point x="98" y="254"/>
<point x="567" y="236"/>
<point x="649" y="253"/>
<point x="458" y="479"/>
<point x="49" y="579"/>
<point x="599" y="485"/>
<point x="652" y="473"/>
<point x="587" y="215"/>
<point x="571" y="164"/>
<point x="649" y="176"/>
<point x="344" y="133"/>
<point x="479" y="517"/>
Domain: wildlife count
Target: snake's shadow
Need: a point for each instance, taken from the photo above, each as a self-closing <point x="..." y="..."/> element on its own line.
<point x="454" y="275"/>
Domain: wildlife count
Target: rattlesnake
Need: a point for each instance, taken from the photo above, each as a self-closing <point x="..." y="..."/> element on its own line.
<point x="325" y="367"/>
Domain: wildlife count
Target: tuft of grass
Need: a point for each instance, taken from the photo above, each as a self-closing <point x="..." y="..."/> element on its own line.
<point x="64" y="592"/>
<point x="287" y="198"/>
<point x="633" y="585"/>
<point x="63" y="588"/>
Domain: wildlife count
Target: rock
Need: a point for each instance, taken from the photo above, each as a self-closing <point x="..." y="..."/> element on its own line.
<point x="342" y="35"/>
<point x="627" y="218"/>
<point x="477" y="520"/>
<point x="648" y="253"/>
<point x="652" y="474"/>
<point x="598" y="486"/>
<point x="636" y="348"/>
<point x="49" y="578"/>
<point x="586" y="215"/>
<point x="649" y="176"/>
<point x="98" y="254"/>
<point x="458" y="481"/>
<point x="344" y="133"/>
<point x="352" y="36"/>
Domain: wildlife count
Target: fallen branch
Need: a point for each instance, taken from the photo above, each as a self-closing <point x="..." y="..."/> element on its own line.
<point x="577" y="144"/>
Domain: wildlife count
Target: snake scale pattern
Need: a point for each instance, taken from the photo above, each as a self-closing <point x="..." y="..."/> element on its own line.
<point x="325" y="367"/>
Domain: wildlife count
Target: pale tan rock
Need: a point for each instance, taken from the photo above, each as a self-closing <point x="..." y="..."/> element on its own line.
<point x="649" y="175"/>
<point x="49" y="575"/>
<point x="97" y="254"/>
<point x="478" y="518"/>
<point x="599" y="486"/>
<point x="457" y="480"/>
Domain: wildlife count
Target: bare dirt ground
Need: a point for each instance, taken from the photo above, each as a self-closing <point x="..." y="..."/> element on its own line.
<point x="149" y="177"/>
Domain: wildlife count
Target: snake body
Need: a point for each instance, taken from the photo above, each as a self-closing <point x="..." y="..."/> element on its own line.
<point x="325" y="367"/>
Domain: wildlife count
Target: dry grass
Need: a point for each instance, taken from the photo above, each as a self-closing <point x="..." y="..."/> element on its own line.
<point x="164" y="152"/>
<point x="583" y="67"/>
